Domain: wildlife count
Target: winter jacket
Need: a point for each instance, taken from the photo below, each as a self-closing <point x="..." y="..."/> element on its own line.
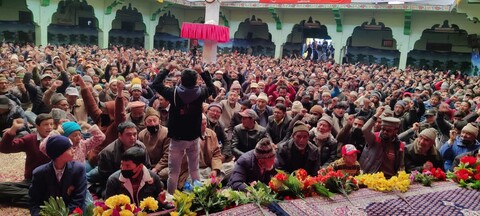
<point x="414" y="161"/>
<point x="285" y="162"/>
<point x="449" y="152"/>
<point x="72" y="187"/>
<point x="185" y="106"/>
<point x="246" y="170"/>
<point x="278" y="132"/>
<point x="244" y="140"/>
<point x="150" y="186"/>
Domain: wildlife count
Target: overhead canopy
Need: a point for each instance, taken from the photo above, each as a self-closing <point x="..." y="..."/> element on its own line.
<point x="418" y="2"/>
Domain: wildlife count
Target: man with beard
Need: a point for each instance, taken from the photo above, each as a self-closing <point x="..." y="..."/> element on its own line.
<point x="321" y="136"/>
<point x="383" y="151"/>
<point x="229" y="107"/>
<point x="36" y="92"/>
<point x="298" y="152"/>
<point x="137" y="114"/>
<point x="136" y="94"/>
<point x="213" y="116"/>
<point x="352" y="134"/>
<point x="154" y="136"/>
<point x="254" y="165"/>
<point x="278" y="123"/>
<point x="467" y="141"/>
<point x="262" y="109"/>
<point x="421" y="151"/>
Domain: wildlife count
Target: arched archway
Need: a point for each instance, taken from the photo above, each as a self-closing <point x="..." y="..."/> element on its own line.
<point x="372" y="43"/>
<point x="253" y="37"/>
<point x="128" y="28"/>
<point x="167" y="34"/>
<point x="17" y="24"/>
<point x="74" y="22"/>
<point x="306" y="29"/>
<point x="443" y="46"/>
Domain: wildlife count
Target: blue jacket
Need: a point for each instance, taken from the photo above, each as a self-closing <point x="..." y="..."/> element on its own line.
<point x="72" y="187"/>
<point x="246" y="170"/>
<point x="449" y="152"/>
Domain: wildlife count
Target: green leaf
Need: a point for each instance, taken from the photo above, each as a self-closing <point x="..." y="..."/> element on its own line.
<point x="322" y="190"/>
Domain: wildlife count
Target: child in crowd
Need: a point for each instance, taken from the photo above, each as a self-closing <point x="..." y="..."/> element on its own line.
<point x="62" y="177"/>
<point x="348" y="163"/>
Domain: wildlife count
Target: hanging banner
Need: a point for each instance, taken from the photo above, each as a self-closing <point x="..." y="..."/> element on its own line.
<point x="306" y="1"/>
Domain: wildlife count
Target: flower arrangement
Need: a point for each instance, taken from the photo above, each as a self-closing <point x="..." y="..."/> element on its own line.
<point x="297" y="185"/>
<point x="426" y="177"/>
<point x="121" y="205"/>
<point x="378" y="182"/>
<point x="467" y="174"/>
<point x="209" y="198"/>
<point x="337" y="181"/>
<point x="56" y="206"/>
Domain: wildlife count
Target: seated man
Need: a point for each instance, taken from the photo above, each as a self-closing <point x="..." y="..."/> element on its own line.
<point x="16" y="193"/>
<point x="467" y="141"/>
<point x="298" y="152"/>
<point x="134" y="179"/>
<point x="9" y="111"/>
<point x="246" y="135"/>
<point x="109" y="159"/>
<point x="155" y="138"/>
<point x="210" y="159"/>
<point x="62" y="177"/>
<point x="423" y="150"/>
<point x="254" y="165"/>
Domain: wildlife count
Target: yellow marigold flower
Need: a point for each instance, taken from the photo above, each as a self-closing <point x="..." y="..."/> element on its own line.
<point x="149" y="203"/>
<point x="97" y="211"/>
<point x="142" y="214"/>
<point x="117" y="200"/>
<point x="107" y="212"/>
<point x="174" y="213"/>
<point x="126" y="213"/>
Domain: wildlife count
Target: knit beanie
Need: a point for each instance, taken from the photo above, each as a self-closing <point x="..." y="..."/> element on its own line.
<point x="56" y="146"/>
<point x="151" y="112"/>
<point x="444" y="86"/>
<point x="328" y="119"/>
<point x="262" y="96"/>
<point x="471" y="129"/>
<point x="400" y="103"/>
<point x="136" y="80"/>
<point x="316" y="109"/>
<point x="264" y="149"/>
<point x="299" y="126"/>
<point x="70" y="127"/>
<point x="430" y="133"/>
<point x="297" y="106"/>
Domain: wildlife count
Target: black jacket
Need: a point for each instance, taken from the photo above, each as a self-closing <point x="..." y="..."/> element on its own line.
<point x="185" y="112"/>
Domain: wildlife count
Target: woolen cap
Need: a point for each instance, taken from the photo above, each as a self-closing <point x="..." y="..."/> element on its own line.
<point x="56" y="98"/>
<point x="300" y="126"/>
<point x="56" y="146"/>
<point x="263" y="96"/>
<point x="390" y="121"/>
<point x="471" y="129"/>
<point x="430" y="133"/>
<point x="151" y="112"/>
<point x="264" y="149"/>
<point x="297" y="106"/>
<point x="215" y="105"/>
<point x="70" y="127"/>
<point x="4" y="102"/>
<point x="249" y="113"/>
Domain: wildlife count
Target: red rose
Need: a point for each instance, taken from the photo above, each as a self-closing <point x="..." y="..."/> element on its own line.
<point x="477" y="176"/>
<point x="78" y="211"/>
<point x="438" y="174"/>
<point x="468" y="159"/>
<point x="462" y="174"/>
<point x="302" y="173"/>
<point x="478" y="168"/>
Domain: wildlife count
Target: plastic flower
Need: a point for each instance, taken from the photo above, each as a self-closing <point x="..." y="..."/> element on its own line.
<point x="470" y="160"/>
<point x="149" y="203"/>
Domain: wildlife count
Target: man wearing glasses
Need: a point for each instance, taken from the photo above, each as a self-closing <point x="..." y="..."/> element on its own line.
<point x="383" y="151"/>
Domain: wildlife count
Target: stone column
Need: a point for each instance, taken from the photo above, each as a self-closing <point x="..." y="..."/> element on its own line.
<point x="212" y="14"/>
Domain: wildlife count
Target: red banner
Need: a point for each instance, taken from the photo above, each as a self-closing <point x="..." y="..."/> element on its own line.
<point x="306" y="1"/>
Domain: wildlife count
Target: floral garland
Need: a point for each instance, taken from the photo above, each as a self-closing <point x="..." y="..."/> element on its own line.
<point x="426" y="177"/>
<point x="467" y="174"/>
<point x="378" y="182"/>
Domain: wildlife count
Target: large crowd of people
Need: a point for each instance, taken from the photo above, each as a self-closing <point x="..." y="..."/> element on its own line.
<point x="98" y="122"/>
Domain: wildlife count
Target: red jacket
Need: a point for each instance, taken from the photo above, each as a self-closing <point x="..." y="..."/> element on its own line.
<point x="28" y="144"/>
